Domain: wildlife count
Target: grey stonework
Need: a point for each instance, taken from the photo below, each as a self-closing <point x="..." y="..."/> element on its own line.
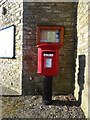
<point x="82" y="85"/>
<point x="21" y="73"/>
<point x="11" y="69"/>
<point x="48" y="14"/>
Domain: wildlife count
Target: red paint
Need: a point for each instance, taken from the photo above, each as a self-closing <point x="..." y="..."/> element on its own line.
<point x="61" y="28"/>
<point x="48" y="53"/>
<point x="48" y="49"/>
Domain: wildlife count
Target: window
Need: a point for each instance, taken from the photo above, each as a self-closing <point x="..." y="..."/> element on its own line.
<point x="7" y="42"/>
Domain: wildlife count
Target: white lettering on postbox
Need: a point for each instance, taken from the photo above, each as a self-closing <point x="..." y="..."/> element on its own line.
<point x="49" y="55"/>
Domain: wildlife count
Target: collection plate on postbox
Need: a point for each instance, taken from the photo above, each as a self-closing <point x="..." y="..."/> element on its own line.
<point x="48" y="60"/>
<point x="49" y="40"/>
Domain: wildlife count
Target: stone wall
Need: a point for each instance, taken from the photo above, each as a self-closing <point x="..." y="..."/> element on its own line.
<point x="22" y="70"/>
<point x="48" y="14"/>
<point x="82" y="61"/>
<point x="11" y="69"/>
<point x="89" y="59"/>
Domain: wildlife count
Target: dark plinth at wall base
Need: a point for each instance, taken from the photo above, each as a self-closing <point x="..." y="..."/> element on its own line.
<point x="47" y="90"/>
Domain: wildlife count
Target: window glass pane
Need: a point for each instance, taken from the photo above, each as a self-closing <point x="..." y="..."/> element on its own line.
<point x="49" y="35"/>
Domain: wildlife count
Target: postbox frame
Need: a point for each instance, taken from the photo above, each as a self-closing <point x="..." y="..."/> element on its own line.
<point x="45" y="27"/>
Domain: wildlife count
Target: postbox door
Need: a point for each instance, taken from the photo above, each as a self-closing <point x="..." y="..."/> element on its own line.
<point x="48" y="63"/>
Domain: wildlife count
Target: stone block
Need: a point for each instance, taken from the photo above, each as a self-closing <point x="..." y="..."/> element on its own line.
<point x="82" y="49"/>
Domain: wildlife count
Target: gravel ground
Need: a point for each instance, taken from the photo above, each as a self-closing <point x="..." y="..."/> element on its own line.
<point x="32" y="107"/>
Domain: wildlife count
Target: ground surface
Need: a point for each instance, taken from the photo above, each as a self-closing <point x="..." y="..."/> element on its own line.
<point x="32" y="107"/>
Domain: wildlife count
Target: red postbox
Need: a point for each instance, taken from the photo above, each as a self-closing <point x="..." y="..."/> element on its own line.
<point x="49" y="40"/>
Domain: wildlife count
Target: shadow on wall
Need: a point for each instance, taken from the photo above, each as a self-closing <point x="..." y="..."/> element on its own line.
<point x="81" y="81"/>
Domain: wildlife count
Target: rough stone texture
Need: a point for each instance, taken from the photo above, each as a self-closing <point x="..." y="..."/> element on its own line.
<point x="11" y="69"/>
<point x="82" y="61"/>
<point x="7" y="91"/>
<point x="26" y="107"/>
<point x="89" y="59"/>
<point x="37" y="13"/>
<point x="11" y="74"/>
<point x="48" y="14"/>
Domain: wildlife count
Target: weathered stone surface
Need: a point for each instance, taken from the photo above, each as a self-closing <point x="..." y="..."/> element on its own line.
<point x="11" y="69"/>
<point x="24" y="67"/>
<point x="82" y="64"/>
<point x="49" y="14"/>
